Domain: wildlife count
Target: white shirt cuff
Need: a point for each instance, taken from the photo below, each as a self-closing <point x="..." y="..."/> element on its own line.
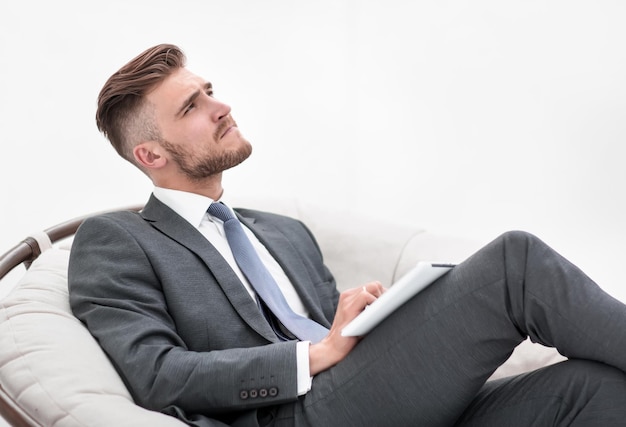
<point x="303" y="370"/>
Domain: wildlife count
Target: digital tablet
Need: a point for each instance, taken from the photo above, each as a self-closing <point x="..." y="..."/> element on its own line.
<point x="418" y="278"/>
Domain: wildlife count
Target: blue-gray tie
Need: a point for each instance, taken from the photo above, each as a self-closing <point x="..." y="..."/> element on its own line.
<point x="261" y="280"/>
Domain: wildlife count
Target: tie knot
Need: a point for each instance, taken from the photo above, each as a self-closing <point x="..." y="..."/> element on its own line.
<point x="219" y="210"/>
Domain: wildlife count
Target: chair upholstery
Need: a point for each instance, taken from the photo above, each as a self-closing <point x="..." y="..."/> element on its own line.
<point x="50" y="366"/>
<point x="53" y="373"/>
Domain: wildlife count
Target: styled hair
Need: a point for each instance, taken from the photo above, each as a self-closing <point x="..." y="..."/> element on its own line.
<point x="123" y="115"/>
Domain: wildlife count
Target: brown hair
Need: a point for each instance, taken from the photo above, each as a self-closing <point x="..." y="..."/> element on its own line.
<point x="122" y="115"/>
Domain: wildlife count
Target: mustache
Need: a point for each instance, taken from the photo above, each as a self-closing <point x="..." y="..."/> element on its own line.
<point x="223" y="126"/>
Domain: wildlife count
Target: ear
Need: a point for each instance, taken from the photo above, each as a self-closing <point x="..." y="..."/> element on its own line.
<point x="149" y="155"/>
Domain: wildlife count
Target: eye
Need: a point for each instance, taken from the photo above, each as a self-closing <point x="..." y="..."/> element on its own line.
<point x="189" y="108"/>
<point x="209" y="92"/>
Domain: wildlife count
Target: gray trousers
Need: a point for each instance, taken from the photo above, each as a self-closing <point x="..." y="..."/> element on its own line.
<point x="427" y="364"/>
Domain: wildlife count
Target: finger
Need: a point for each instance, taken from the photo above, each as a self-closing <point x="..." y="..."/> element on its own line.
<point x="374" y="288"/>
<point x="364" y="297"/>
<point x="368" y="298"/>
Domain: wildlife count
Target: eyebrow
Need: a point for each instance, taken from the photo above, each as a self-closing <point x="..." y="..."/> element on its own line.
<point x="192" y="98"/>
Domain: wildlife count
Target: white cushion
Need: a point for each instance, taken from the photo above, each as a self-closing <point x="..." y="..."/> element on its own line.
<point x="49" y="363"/>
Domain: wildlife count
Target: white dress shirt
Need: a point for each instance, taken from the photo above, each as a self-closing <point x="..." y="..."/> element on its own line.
<point x="193" y="208"/>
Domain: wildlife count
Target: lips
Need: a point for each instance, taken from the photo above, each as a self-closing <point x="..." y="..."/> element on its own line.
<point x="228" y="130"/>
<point x="223" y="128"/>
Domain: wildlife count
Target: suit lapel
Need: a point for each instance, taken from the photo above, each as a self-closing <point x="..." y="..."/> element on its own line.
<point x="289" y="259"/>
<point x="171" y="224"/>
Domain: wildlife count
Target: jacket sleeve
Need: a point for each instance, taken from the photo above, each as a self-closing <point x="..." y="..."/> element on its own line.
<point x="115" y="291"/>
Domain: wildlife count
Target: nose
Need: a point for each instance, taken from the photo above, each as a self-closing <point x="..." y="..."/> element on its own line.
<point x="219" y="110"/>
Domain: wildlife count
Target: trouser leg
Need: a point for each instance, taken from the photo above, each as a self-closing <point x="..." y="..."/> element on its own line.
<point x="428" y="360"/>
<point x="574" y="393"/>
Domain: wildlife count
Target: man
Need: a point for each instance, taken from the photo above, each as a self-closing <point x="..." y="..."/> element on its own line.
<point x="193" y="334"/>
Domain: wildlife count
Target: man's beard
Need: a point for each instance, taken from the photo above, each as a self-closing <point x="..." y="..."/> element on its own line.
<point x="197" y="169"/>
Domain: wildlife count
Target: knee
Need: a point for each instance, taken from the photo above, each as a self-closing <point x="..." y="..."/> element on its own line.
<point x="518" y="236"/>
<point x="573" y="393"/>
<point x="593" y="373"/>
<point x="595" y="382"/>
<point x="522" y="244"/>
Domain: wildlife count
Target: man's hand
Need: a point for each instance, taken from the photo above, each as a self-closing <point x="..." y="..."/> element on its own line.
<point x="334" y="347"/>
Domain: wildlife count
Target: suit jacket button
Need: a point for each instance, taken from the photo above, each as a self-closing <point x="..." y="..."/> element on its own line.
<point x="273" y="391"/>
<point x="254" y="393"/>
<point x="243" y="394"/>
<point x="263" y="392"/>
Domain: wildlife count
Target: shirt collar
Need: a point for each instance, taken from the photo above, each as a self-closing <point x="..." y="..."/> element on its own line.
<point x="191" y="206"/>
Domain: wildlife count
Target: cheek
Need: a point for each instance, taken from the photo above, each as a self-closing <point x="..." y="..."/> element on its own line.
<point x="198" y="133"/>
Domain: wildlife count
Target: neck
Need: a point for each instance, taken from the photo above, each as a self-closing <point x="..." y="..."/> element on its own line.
<point x="210" y="187"/>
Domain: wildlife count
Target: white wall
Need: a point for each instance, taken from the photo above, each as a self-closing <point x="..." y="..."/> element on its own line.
<point x="470" y="117"/>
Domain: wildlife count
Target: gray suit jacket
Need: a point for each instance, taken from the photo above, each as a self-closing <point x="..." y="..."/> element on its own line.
<point x="176" y="321"/>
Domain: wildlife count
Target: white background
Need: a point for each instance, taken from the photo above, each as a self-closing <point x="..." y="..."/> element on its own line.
<point x="468" y="118"/>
